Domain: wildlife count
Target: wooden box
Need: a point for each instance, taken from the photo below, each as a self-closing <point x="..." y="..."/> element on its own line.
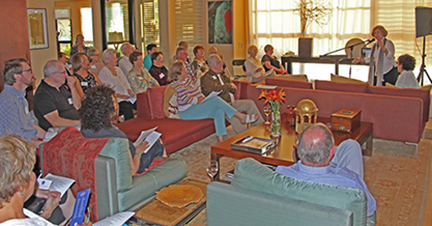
<point x="345" y="120"/>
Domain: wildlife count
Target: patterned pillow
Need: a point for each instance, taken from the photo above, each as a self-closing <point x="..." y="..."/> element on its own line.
<point x="170" y="105"/>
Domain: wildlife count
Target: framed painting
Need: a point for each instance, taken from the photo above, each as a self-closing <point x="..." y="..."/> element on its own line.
<point x="220" y="22"/>
<point x="38" y="28"/>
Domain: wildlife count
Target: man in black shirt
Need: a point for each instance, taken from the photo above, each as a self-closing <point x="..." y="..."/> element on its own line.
<point x="56" y="102"/>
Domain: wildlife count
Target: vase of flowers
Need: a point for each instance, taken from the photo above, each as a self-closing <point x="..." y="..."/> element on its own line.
<point x="274" y="99"/>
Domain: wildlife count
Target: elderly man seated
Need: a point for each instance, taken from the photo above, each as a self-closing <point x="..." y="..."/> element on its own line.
<point x="55" y="101"/>
<point x="124" y="63"/>
<point x="322" y="162"/>
<point x="216" y="80"/>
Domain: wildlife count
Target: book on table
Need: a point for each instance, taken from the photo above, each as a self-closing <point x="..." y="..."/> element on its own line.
<point x="254" y="144"/>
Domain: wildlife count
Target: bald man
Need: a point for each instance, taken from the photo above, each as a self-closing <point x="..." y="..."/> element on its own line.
<point x="322" y="162"/>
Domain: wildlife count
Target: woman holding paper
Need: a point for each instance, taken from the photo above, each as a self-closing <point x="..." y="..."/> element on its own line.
<point x="193" y="105"/>
<point x="17" y="185"/>
<point x="98" y="112"/>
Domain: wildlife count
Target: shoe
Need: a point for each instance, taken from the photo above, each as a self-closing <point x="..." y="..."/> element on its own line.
<point x="251" y="118"/>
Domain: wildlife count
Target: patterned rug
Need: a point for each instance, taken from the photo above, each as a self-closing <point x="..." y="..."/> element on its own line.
<point x="397" y="176"/>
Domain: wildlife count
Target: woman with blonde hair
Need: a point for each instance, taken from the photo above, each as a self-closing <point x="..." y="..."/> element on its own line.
<point x="17" y="185"/>
<point x="382" y="65"/>
<point x="79" y="46"/>
<point x="254" y="68"/>
<point x="193" y="105"/>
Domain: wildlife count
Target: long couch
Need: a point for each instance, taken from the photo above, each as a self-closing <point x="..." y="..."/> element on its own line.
<point x="260" y="196"/>
<point x="176" y="133"/>
<point x="397" y="114"/>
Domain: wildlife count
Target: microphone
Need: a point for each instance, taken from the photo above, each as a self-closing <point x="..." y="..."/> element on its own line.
<point x="370" y="40"/>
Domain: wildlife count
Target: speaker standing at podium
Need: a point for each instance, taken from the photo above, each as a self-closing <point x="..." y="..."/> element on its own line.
<point x="382" y="65"/>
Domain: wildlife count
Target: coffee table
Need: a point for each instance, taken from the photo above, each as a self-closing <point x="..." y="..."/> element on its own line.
<point x="282" y="154"/>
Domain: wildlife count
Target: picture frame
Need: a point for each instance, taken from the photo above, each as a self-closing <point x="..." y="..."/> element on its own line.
<point x="38" y="28"/>
<point x="220" y="22"/>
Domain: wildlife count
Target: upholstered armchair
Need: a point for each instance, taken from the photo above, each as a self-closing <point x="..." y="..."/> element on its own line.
<point x="103" y="165"/>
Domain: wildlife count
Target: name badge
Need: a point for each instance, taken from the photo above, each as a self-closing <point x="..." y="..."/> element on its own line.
<point x="70" y="101"/>
<point x="84" y="83"/>
<point x="93" y="66"/>
<point x="161" y="75"/>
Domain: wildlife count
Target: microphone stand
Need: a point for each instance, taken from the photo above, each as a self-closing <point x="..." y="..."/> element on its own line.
<point x="351" y="47"/>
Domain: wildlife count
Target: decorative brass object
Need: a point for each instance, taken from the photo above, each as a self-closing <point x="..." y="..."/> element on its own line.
<point x="306" y="114"/>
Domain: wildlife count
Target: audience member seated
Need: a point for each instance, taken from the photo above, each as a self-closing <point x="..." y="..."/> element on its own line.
<point x="192" y="104"/>
<point x="95" y="61"/>
<point x="185" y="45"/>
<point x="199" y="64"/>
<point x="55" y="101"/>
<point x="124" y="63"/>
<point x="113" y="76"/>
<point x="216" y="80"/>
<point x="214" y="50"/>
<point x="138" y="77"/>
<point x="62" y="57"/>
<point x="17" y="183"/>
<point x="406" y="79"/>
<point x="322" y="162"/>
<point x="254" y="68"/>
<point x="271" y="62"/>
<point x="84" y="79"/>
<point x="158" y="71"/>
<point x="15" y="117"/>
<point x="99" y="112"/>
<point x="151" y="48"/>
<point x="182" y="54"/>
<point x="79" y="46"/>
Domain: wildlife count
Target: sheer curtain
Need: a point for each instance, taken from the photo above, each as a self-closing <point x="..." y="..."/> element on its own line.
<point x="275" y="22"/>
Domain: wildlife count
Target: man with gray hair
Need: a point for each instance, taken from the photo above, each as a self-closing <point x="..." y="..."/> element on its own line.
<point x="216" y="80"/>
<point x="322" y="162"/>
<point x="56" y="101"/>
<point x="15" y="117"/>
<point x="124" y="63"/>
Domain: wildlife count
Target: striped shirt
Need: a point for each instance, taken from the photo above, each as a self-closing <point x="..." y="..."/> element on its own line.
<point x="187" y="93"/>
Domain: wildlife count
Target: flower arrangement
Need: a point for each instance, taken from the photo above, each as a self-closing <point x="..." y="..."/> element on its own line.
<point x="274" y="98"/>
<point x="310" y="11"/>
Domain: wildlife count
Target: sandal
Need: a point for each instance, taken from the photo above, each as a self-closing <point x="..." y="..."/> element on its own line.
<point x="251" y="118"/>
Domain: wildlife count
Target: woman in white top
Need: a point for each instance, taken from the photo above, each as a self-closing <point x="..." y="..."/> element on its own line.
<point x="17" y="183"/>
<point x="382" y="61"/>
<point x="254" y="68"/>
<point x="406" y="64"/>
<point x="113" y="76"/>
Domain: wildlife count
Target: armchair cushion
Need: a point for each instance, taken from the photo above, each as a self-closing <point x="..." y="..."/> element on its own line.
<point x="283" y="81"/>
<point x="156" y="100"/>
<point x="250" y="174"/>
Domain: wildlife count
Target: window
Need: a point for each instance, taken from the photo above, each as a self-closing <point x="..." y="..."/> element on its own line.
<point x="150" y="22"/>
<point x="117" y="22"/>
<point x="64" y="30"/>
<point x="189" y="21"/>
<point x="87" y="25"/>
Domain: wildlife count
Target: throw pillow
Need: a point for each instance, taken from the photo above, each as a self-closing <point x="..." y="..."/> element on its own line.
<point x="170" y="105"/>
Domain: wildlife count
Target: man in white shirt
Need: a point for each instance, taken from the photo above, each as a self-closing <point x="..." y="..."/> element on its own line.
<point x="124" y="63"/>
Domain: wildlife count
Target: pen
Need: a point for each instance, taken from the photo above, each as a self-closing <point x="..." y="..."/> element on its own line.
<point x="88" y="213"/>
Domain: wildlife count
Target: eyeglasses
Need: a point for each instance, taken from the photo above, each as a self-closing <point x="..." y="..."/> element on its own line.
<point x="60" y="72"/>
<point x="28" y="70"/>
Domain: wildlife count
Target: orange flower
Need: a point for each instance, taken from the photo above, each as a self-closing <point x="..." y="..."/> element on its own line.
<point x="273" y="95"/>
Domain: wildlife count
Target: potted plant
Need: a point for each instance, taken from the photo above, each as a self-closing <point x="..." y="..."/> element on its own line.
<point x="317" y="11"/>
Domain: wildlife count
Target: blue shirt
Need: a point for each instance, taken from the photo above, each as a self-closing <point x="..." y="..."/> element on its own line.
<point x="15" y="117"/>
<point x="329" y="175"/>
<point x="148" y="62"/>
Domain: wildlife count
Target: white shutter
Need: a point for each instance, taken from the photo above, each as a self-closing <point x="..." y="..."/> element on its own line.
<point x="189" y="21"/>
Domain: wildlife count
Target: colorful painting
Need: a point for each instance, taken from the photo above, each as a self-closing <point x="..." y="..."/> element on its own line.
<point x="38" y="31"/>
<point x="220" y="22"/>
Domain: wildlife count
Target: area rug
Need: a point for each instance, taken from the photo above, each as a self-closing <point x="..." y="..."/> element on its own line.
<point x="397" y="176"/>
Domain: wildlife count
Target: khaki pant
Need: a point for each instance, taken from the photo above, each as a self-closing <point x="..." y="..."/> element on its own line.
<point x="247" y="107"/>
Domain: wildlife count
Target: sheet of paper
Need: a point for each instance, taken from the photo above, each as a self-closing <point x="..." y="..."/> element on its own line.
<point x="151" y="139"/>
<point x="80" y="207"/>
<point x="266" y="87"/>
<point x="115" y="220"/>
<point x="212" y="94"/>
<point x="144" y="135"/>
<point x="59" y="183"/>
